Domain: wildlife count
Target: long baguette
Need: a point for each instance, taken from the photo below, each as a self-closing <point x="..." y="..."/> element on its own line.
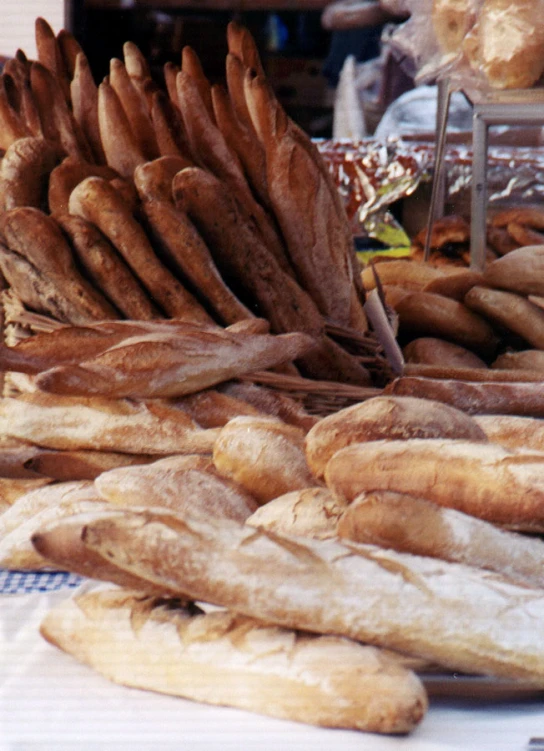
<point x="102" y="425"/>
<point x="386" y="417"/>
<point x="97" y="201"/>
<point x="455" y="615"/>
<point x="513" y="432"/>
<point x="84" y="98"/>
<point x="524" y="399"/>
<point x="413" y="525"/>
<point x="481" y="479"/>
<point x="227" y="659"/>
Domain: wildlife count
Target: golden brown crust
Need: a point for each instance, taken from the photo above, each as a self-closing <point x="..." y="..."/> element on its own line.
<point x="520" y="271"/>
<point x="121" y="148"/>
<point x="64" y="178"/>
<point x="84" y="98"/>
<point x="24" y="172"/>
<point x="386" y="418"/>
<point x="434" y="351"/>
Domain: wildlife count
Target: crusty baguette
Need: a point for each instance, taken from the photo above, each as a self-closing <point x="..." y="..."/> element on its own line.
<point x="386" y="417"/>
<point x="97" y="201"/>
<point x="207" y="140"/>
<point x="529" y="359"/>
<point x="484" y="397"/>
<point x="513" y="432"/>
<point x="24" y="173"/>
<point x="107" y="269"/>
<point x="173" y="364"/>
<point x="413" y="525"/>
<point x="243" y="258"/>
<point x="242" y="44"/>
<point x="429" y="314"/>
<point x="35" y="289"/>
<point x="66" y="466"/>
<point x="59" y="544"/>
<point x="102" y="425"/>
<point x="64" y="178"/>
<point x="456" y="284"/>
<point x="264" y="455"/>
<point x="463" y="373"/>
<point x="37" y="499"/>
<point x="69" y="49"/>
<point x="310" y="512"/>
<point x="134" y="107"/>
<point x="271" y="402"/>
<point x="520" y="271"/>
<point x="226" y="659"/>
<point x="12" y="125"/>
<point x="314" y="229"/>
<point x="13" y="488"/>
<point x="56" y="117"/>
<point x="169" y="128"/>
<point x="431" y="350"/>
<point x="180" y="483"/>
<point x="481" y="479"/>
<point x="191" y="65"/>
<point x="49" y="54"/>
<point x="509" y="310"/>
<point x="121" y="148"/>
<point x="212" y="409"/>
<point x="38" y="238"/>
<point x="187" y="252"/>
<point x="405" y="273"/>
<point x="84" y="98"/>
<point x="452" y="614"/>
<point x="153" y="179"/>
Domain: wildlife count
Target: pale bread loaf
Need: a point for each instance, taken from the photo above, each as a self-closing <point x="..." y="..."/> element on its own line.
<point x="310" y="512"/>
<point x="227" y="659"/>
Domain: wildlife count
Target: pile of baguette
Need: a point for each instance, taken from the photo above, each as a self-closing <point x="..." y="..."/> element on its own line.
<point x="139" y="200"/>
<point x="312" y="569"/>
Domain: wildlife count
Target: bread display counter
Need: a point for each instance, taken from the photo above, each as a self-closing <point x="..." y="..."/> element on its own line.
<point x="206" y="414"/>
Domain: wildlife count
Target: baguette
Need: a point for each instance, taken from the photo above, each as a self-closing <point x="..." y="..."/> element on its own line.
<point x="173" y="364"/>
<point x="271" y="402"/>
<point x="169" y="128"/>
<point x="69" y="49"/>
<point x="529" y="359"/>
<point x="50" y="56"/>
<point x="410" y="275"/>
<point x="121" y="148"/>
<point x="24" y="173"/>
<point x="98" y="202"/>
<point x="484" y="397"/>
<point x="227" y="659"/>
<point x="264" y="455"/>
<point x="520" y="271"/>
<point x="13" y="488"/>
<point x="242" y="256"/>
<point x="429" y="314"/>
<point x="67" y="423"/>
<point x="66" y="466"/>
<point x="459" y="617"/>
<point x="412" y="525"/>
<point x="191" y="65"/>
<point x="315" y="230"/>
<point x="513" y="432"/>
<point x="39" y="239"/>
<point x="212" y="409"/>
<point x="511" y="311"/>
<point x="481" y="479"/>
<point x="135" y="109"/>
<point x="84" y="98"/>
<point x="462" y="373"/>
<point x="310" y="512"/>
<point x="12" y="125"/>
<point x="186" y="251"/>
<point x="430" y="350"/>
<point x="64" y="178"/>
<point x="59" y="544"/>
<point x="153" y="179"/>
<point x="455" y="285"/>
<point x="180" y="483"/>
<point x="386" y="417"/>
<point x="107" y="269"/>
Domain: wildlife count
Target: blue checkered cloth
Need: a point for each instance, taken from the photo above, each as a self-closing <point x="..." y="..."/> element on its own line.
<point x="25" y="582"/>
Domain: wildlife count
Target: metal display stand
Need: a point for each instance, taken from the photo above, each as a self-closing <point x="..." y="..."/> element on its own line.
<point x="509" y="107"/>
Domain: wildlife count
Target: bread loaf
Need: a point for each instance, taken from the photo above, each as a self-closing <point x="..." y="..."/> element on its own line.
<point x="24" y="172"/>
<point x="264" y="455"/>
<point x="84" y="98"/>
<point x="410" y="524"/>
<point x="452" y="614"/>
<point x="485" y="397"/>
<point x="227" y="659"/>
<point x="177" y="483"/>
<point x="310" y="512"/>
<point x="520" y="271"/>
<point x="431" y="350"/>
<point x="386" y="417"/>
<point x="511" y="311"/>
<point x="513" y="432"/>
<point x="530" y="359"/>
<point x="480" y="479"/>
<point x="102" y="425"/>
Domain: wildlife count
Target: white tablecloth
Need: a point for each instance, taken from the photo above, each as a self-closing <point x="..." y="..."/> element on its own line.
<point x="49" y="702"/>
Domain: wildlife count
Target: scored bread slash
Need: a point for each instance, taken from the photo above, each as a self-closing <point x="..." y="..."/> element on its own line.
<point x="226" y="659"/>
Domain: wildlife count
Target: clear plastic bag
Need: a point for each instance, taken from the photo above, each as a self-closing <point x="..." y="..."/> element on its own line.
<point x="476" y="44"/>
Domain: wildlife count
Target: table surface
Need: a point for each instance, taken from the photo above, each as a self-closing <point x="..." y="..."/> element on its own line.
<point x="49" y="702"/>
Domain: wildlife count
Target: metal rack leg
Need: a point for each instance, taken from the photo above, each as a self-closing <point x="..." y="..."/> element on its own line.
<point x="480" y="130"/>
<point x="438" y="193"/>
